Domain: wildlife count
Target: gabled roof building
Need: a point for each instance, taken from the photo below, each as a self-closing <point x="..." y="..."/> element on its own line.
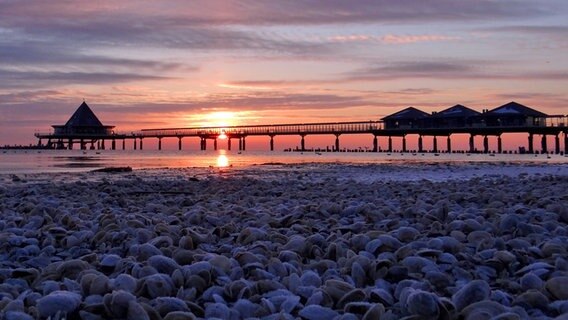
<point x="514" y="114"/>
<point x="405" y="119"/>
<point x="83" y="122"/>
<point x="456" y="116"/>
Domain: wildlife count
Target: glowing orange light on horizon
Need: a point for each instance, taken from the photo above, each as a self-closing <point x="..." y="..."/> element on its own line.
<point x="222" y="161"/>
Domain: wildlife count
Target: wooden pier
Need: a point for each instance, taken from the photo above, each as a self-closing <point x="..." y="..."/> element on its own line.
<point x="399" y="125"/>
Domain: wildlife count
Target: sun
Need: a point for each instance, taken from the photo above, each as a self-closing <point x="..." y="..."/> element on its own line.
<point x="220" y="118"/>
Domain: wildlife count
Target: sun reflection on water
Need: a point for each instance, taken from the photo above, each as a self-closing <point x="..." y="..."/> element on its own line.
<point x="222" y="161"/>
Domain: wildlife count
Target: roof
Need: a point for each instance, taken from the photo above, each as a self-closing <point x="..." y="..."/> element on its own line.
<point x="84" y="117"/>
<point x="408" y="113"/>
<point x="514" y="108"/>
<point x="457" y="111"/>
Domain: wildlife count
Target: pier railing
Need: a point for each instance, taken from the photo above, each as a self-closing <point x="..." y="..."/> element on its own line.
<point x="277" y="129"/>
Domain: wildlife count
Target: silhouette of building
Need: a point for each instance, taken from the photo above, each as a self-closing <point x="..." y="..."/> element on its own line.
<point x="454" y="117"/>
<point x="406" y="119"/>
<point x="513" y="114"/>
<point x="83" y="122"/>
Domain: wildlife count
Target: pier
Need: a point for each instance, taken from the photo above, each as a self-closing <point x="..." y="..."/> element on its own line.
<point x="84" y="131"/>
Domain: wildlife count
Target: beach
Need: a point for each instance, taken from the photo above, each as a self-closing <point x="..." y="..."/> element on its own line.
<point x="438" y="240"/>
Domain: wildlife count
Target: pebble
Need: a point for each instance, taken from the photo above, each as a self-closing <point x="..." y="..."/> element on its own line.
<point x="251" y="246"/>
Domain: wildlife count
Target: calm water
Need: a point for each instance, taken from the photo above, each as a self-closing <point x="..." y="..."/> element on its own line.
<point x="32" y="161"/>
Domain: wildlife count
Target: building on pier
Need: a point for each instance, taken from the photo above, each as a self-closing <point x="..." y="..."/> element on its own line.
<point x="513" y="114"/>
<point x="83" y="122"/>
<point x="458" y="116"/>
<point x="406" y="119"/>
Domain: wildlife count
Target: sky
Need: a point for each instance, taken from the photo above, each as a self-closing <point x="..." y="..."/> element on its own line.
<point x="178" y="63"/>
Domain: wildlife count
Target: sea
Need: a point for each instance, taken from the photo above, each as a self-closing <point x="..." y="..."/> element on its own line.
<point x="46" y="161"/>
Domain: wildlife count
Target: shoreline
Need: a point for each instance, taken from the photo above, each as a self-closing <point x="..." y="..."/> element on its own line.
<point x="285" y="241"/>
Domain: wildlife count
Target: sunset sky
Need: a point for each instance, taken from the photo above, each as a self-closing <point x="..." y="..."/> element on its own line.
<point x="192" y="63"/>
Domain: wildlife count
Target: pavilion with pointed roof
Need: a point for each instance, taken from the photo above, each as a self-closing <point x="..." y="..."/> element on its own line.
<point x="514" y="114"/>
<point x="456" y="116"/>
<point x="83" y="122"/>
<point x="406" y="118"/>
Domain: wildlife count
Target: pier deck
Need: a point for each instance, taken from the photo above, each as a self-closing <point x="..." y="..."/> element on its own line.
<point x="556" y="126"/>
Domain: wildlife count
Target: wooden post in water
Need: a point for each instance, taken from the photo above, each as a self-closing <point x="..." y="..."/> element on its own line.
<point x="543" y="144"/>
<point x="449" y="144"/>
<point x="557" y="144"/>
<point x="420" y="148"/>
<point x="375" y="144"/>
<point x="337" y="142"/>
<point x="229" y="144"/>
<point x="390" y="144"/>
<point x="271" y="142"/>
<point x="403" y="143"/>
<point x="435" y="144"/>
<point x="179" y="143"/>
<point x="485" y="144"/>
<point x="531" y="149"/>
<point x="471" y="143"/>
<point x="244" y="144"/>
<point x="499" y="144"/>
<point x="303" y="143"/>
<point x="159" y="143"/>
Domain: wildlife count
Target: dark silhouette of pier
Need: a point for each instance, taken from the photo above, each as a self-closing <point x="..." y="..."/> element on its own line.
<point x="509" y="118"/>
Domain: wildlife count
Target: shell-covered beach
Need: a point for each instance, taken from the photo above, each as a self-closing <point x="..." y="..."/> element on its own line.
<point x="419" y="241"/>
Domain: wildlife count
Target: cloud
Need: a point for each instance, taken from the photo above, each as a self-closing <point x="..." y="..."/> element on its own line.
<point x="251" y="12"/>
<point x="392" y="38"/>
<point x="471" y="70"/>
<point x="27" y="79"/>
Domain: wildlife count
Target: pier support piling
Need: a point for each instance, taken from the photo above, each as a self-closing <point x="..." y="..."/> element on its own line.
<point x="179" y="143"/>
<point x="435" y="144"/>
<point x="499" y="144"/>
<point x="557" y="144"/>
<point x="449" y="144"/>
<point x="485" y="144"/>
<point x="531" y="148"/>
<point x="471" y="143"/>
<point x="244" y="144"/>
<point x="113" y="144"/>
<point x="159" y="143"/>
<point x="337" y="143"/>
<point x="271" y="143"/>
<point x="229" y="144"/>
<point x="390" y="144"/>
<point x="70" y="144"/>
<point x="543" y="144"/>
<point x="420" y="145"/>
<point x="141" y="144"/>
<point x="303" y="143"/>
<point x="566" y="142"/>
<point x="375" y="144"/>
<point x="82" y="142"/>
<point x="403" y="143"/>
<point x="123" y="144"/>
<point x="215" y="144"/>
<point x="240" y="143"/>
